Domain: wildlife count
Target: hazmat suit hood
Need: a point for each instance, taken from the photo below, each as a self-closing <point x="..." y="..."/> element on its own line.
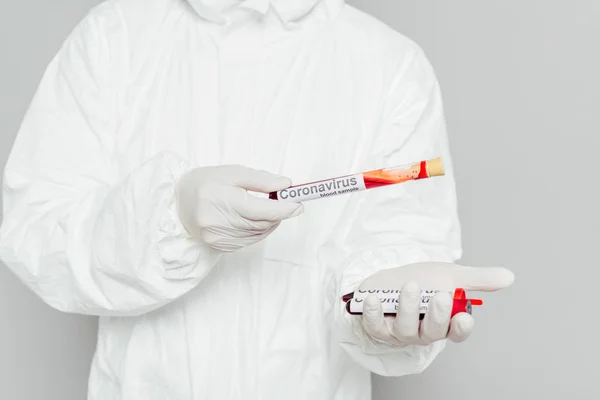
<point x="288" y="11"/>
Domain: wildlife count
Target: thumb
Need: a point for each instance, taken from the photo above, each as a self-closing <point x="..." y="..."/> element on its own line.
<point x="483" y="279"/>
<point x="256" y="180"/>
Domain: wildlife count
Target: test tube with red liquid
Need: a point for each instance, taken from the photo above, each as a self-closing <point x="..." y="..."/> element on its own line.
<point x="363" y="181"/>
<point x="389" y="301"/>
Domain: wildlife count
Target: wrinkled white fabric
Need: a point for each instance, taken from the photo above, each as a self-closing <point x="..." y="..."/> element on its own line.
<point x="142" y="92"/>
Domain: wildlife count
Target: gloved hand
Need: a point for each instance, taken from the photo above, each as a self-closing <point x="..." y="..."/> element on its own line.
<point x="405" y="328"/>
<point x="215" y="207"/>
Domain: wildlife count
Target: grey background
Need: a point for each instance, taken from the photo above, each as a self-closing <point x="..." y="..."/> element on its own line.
<point x="522" y="92"/>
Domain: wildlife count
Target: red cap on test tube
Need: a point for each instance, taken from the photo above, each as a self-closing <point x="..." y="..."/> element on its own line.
<point x="462" y="303"/>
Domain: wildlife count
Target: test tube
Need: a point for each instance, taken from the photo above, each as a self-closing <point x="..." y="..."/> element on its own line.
<point x="389" y="301"/>
<point x="358" y="182"/>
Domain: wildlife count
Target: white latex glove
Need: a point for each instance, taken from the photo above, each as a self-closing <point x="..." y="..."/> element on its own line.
<point x="405" y="328"/>
<point x="215" y="207"/>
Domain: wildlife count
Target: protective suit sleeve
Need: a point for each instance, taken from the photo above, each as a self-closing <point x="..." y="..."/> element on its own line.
<point x="401" y="224"/>
<point x="84" y="235"/>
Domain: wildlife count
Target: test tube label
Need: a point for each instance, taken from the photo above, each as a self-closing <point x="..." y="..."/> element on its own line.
<point x="388" y="299"/>
<point x="327" y="188"/>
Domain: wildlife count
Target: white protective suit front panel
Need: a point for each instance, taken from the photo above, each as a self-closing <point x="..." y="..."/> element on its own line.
<point x="143" y="91"/>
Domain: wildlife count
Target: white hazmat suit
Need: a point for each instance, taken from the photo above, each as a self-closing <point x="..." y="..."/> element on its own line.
<point x="144" y="91"/>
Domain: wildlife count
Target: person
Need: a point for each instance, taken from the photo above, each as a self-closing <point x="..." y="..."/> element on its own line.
<point x="135" y="191"/>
